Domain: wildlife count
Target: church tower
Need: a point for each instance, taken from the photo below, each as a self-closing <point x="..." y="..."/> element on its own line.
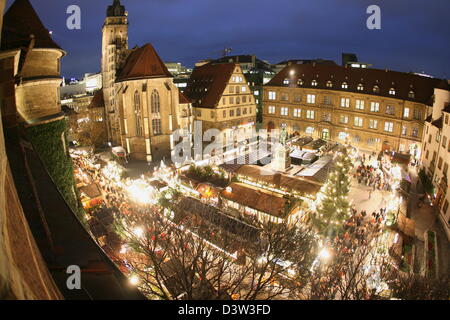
<point x="114" y="51"/>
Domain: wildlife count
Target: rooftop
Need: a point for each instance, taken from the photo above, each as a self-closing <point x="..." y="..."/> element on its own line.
<point x="405" y="86"/>
<point x="20" y="24"/>
<point x="207" y="84"/>
<point x="143" y="63"/>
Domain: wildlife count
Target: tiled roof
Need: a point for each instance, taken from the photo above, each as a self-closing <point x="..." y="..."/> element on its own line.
<point x="143" y="63"/>
<point x="183" y="99"/>
<point x="98" y="100"/>
<point x="402" y="83"/>
<point x="19" y="23"/>
<point x="207" y="84"/>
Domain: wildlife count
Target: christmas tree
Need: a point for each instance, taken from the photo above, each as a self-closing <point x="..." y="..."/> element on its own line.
<point x="332" y="205"/>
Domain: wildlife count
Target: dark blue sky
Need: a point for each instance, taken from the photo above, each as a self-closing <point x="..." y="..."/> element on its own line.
<point x="415" y="34"/>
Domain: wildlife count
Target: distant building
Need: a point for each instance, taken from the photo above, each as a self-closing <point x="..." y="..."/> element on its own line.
<point x="351" y="60"/>
<point x="222" y="99"/>
<point x="180" y="74"/>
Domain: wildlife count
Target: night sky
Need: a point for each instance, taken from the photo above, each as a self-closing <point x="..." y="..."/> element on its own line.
<point x="415" y="34"/>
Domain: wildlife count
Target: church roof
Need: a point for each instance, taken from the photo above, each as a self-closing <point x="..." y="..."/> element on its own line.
<point x="19" y="23"/>
<point x="143" y="63"/>
<point x="208" y="82"/>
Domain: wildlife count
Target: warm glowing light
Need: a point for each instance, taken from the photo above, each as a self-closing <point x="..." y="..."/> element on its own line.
<point x="134" y="280"/>
<point x="324" y="254"/>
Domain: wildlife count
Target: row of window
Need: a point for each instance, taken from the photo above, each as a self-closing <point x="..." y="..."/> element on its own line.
<point x="344" y="85"/>
<point x="237" y="89"/>
<point x="238" y="99"/>
<point x="344" y="119"/>
<point x="345" y="103"/>
<point x="231" y="112"/>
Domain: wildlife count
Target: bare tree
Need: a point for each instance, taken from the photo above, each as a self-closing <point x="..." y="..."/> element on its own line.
<point x="193" y="259"/>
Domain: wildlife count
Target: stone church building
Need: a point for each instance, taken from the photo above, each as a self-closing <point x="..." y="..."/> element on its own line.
<point x="143" y="106"/>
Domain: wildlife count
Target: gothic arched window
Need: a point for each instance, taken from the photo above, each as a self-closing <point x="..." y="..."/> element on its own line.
<point x="137" y="111"/>
<point x="156" y="108"/>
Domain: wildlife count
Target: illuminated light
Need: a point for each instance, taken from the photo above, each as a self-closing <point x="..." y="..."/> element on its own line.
<point x="292" y="272"/>
<point x="324" y="254"/>
<point x="138" y="232"/>
<point x="134" y="280"/>
<point x="229" y="189"/>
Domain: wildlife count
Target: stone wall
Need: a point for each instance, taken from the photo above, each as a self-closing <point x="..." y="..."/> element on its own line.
<point x="23" y="272"/>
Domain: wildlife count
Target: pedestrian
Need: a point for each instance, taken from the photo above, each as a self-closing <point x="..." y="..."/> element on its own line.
<point x="370" y="193"/>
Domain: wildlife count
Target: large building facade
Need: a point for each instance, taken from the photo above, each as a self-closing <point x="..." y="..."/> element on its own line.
<point x="371" y="109"/>
<point x="436" y="152"/>
<point x="222" y="99"/>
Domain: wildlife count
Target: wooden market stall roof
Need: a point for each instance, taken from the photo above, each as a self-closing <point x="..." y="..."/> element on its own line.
<point x="256" y="198"/>
<point x="279" y="180"/>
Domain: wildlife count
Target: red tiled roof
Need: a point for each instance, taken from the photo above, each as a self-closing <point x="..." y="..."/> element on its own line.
<point x="98" y="100"/>
<point x="19" y="23"/>
<point x="182" y="98"/>
<point x="143" y="63"/>
<point x="207" y="84"/>
<point x="403" y="83"/>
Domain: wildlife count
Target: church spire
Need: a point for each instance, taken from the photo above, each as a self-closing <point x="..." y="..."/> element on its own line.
<point x="116" y="9"/>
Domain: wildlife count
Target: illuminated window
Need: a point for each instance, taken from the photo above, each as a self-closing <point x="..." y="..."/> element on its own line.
<point x="360" y="87"/>
<point x="374" y="106"/>
<point x="284" y="111"/>
<point x="392" y="91"/>
<point x="297" y="113"/>
<point x="300" y="82"/>
<point x="329" y="84"/>
<point x="343" y="119"/>
<point x="344" y="85"/>
<point x="411" y="94"/>
<point x="314" y="83"/>
<point x="272" y="95"/>
<point x="271" y="110"/>
<point x="137" y="111"/>
<point x="345" y="102"/>
<point x="311" y="98"/>
<point x="156" y="125"/>
<point x="286" y="81"/>
<point x="376" y="89"/>
<point x="358" y="122"/>
<point x="359" y="104"/>
<point x="310" y="114"/>
<point x="373" y="124"/>
<point x="389" y="126"/>
<point x="406" y="112"/>
<point x="309" y="130"/>
<point x="342" y="135"/>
